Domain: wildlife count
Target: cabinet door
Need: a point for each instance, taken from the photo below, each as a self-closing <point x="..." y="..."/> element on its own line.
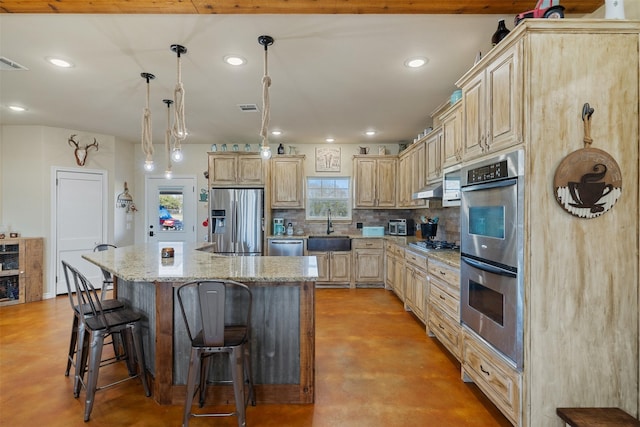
<point x="404" y="166"/>
<point x="473" y="117"/>
<point x="287" y="183"/>
<point x="369" y="266"/>
<point x="433" y="147"/>
<point x="340" y="266"/>
<point x="418" y="172"/>
<point x="504" y="117"/>
<point x="222" y="170"/>
<point x="390" y="270"/>
<point x="365" y="185"/>
<point x="250" y="170"/>
<point x="452" y="137"/>
<point x="323" y="265"/>
<point x="386" y="182"/>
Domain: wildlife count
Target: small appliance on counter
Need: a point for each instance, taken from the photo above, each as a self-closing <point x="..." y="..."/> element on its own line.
<point x="402" y="227"/>
<point x="278" y="226"/>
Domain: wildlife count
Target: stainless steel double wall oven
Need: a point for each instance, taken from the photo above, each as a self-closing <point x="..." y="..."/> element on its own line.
<point x="491" y="249"/>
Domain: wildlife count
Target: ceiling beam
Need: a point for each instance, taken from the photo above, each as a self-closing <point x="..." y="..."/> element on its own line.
<point x="497" y="7"/>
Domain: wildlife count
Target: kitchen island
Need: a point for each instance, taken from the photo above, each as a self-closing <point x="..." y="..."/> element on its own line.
<point x="283" y="315"/>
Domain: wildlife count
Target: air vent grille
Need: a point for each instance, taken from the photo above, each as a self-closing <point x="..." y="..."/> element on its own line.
<point x="248" y="108"/>
<point x="8" y="65"/>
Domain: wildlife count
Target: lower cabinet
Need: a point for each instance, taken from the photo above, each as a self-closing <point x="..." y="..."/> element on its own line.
<point x="496" y="377"/>
<point x="333" y="267"/>
<point x="444" y="306"/>
<point x="21" y="270"/>
<point x="368" y="261"/>
<point x="416" y="284"/>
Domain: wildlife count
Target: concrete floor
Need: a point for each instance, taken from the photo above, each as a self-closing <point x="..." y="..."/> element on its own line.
<point x="375" y="367"/>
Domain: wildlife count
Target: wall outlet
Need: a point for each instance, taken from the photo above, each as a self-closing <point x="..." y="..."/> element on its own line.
<point x="358" y="225"/>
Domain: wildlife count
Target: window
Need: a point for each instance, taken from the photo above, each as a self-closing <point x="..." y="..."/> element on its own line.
<point x="328" y="193"/>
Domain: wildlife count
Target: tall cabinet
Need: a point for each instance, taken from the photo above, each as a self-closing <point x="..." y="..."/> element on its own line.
<point x="581" y="299"/>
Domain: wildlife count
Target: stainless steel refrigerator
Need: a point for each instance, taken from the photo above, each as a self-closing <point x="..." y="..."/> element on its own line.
<point x="236" y="223"/>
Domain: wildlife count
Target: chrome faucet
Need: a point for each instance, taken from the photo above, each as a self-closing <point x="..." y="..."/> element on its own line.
<point x="329" y="224"/>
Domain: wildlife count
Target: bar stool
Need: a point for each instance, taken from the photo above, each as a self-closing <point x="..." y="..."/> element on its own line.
<point x="217" y="316"/>
<point x="77" y="326"/>
<point x="97" y="327"/>
<point x="107" y="281"/>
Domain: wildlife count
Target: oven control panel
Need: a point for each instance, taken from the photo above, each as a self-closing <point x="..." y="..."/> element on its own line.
<point x="487" y="173"/>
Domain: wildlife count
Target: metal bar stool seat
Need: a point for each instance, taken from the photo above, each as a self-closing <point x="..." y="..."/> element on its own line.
<point x="82" y="311"/>
<point x="217" y="317"/>
<point x="97" y="327"/>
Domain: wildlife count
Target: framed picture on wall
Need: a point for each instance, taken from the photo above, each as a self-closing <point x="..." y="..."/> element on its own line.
<point x="327" y="159"/>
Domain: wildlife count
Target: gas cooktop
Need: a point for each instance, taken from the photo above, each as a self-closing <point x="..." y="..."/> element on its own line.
<point x="435" y="245"/>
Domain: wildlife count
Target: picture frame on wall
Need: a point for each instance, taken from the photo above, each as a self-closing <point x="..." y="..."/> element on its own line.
<point x="328" y="159"/>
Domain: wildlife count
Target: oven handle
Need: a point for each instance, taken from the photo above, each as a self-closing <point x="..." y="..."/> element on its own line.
<point x="494" y="184"/>
<point x="488" y="267"/>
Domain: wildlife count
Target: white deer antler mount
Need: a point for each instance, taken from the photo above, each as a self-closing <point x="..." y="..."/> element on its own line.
<point x="81" y="152"/>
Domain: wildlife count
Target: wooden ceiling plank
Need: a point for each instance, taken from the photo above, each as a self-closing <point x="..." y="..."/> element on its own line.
<point x="287" y="6"/>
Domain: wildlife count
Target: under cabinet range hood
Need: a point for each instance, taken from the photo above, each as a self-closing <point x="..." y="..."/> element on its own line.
<point x="433" y="191"/>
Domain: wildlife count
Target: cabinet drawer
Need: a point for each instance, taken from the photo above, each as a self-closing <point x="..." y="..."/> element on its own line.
<point x="366" y="243"/>
<point x="445" y="273"/>
<point x="493" y="375"/>
<point x="448" y="331"/>
<point x="416" y="259"/>
<point x="441" y="297"/>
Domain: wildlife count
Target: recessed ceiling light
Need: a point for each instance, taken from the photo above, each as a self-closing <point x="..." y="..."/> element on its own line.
<point x="330" y="140"/>
<point x="17" y="108"/>
<point x="276" y="132"/>
<point x="235" y="60"/>
<point x="370" y="132"/>
<point x="59" y="62"/>
<point x="416" y="62"/>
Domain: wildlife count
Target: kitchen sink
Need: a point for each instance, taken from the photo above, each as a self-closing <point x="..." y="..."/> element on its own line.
<point x="328" y="243"/>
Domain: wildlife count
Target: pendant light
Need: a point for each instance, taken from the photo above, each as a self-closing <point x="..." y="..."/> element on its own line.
<point x="168" y="173"/>
<point x="265" y="151"/>
<point x="179" y="125"/>
<point x="147" y="141"/>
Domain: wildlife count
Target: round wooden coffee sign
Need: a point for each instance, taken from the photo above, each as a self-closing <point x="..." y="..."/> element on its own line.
<point x="587" y="183"/>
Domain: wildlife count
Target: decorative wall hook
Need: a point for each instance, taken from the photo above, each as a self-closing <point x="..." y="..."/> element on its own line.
<point x="81" y="152"/>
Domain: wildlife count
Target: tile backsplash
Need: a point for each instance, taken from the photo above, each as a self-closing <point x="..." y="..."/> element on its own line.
<point x="448" y="224"/>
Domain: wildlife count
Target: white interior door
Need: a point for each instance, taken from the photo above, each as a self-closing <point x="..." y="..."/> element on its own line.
<point x="170" y="209"/>
<point x="80" y="221"/>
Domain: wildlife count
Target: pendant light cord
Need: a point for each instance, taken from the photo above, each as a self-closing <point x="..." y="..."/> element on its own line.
<point x="147" y="142"/>
<point x="167" y="137"/>
<point x="266" y="108"/>
<point x="179" y="126"/>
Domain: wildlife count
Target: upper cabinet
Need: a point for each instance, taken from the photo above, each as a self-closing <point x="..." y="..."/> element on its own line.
<point x="374" y="181"/>
<point x="452" y="136"/>
<point x="287" y="182"/>
<point x="235" y="169"/>
<point x="492" y="105"/>
<point x="412" y="174"/>
<point x="434" y="151"/>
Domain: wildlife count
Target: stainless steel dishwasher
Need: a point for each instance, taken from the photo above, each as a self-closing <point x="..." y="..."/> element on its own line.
<point x="286" y="247"/>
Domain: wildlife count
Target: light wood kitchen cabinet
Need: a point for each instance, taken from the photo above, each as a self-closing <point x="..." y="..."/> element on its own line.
<point x="389" y="264"/>
<point x="287" y="182"/>
<point x="374" y="181"/>
<point x="368" y="261"/>
<point x="412" y="172"/>
<point x="416" y="284"/>
<point x="492" y="104"/>
<point x="333" y="267"/>
<point x="444" y="305"/>
<point x="452" y="136"/>
<point x="591" y="320"/>
<point x="394" y="272"/>
<point x="434" y="155"/>
<point x="492" y="374"/>
<point x="233" y="169"/>
<point x="21" y="270"/>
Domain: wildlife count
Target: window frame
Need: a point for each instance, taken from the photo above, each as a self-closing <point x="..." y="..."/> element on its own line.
<point x="335" y="213"/>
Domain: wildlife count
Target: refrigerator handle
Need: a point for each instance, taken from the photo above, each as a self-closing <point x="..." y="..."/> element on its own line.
<point x="234" y="219"/>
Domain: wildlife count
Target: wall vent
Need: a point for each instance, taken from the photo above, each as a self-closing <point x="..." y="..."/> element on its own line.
<point x="248" y="108"/>
<point x="8" y="65"/>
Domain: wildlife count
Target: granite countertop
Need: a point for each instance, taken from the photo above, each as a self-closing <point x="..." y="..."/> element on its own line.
<point x="143" y="263"/>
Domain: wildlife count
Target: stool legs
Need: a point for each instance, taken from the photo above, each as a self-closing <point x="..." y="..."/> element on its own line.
<point x="236" y="359"/>
<point x="192" y="376"/>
